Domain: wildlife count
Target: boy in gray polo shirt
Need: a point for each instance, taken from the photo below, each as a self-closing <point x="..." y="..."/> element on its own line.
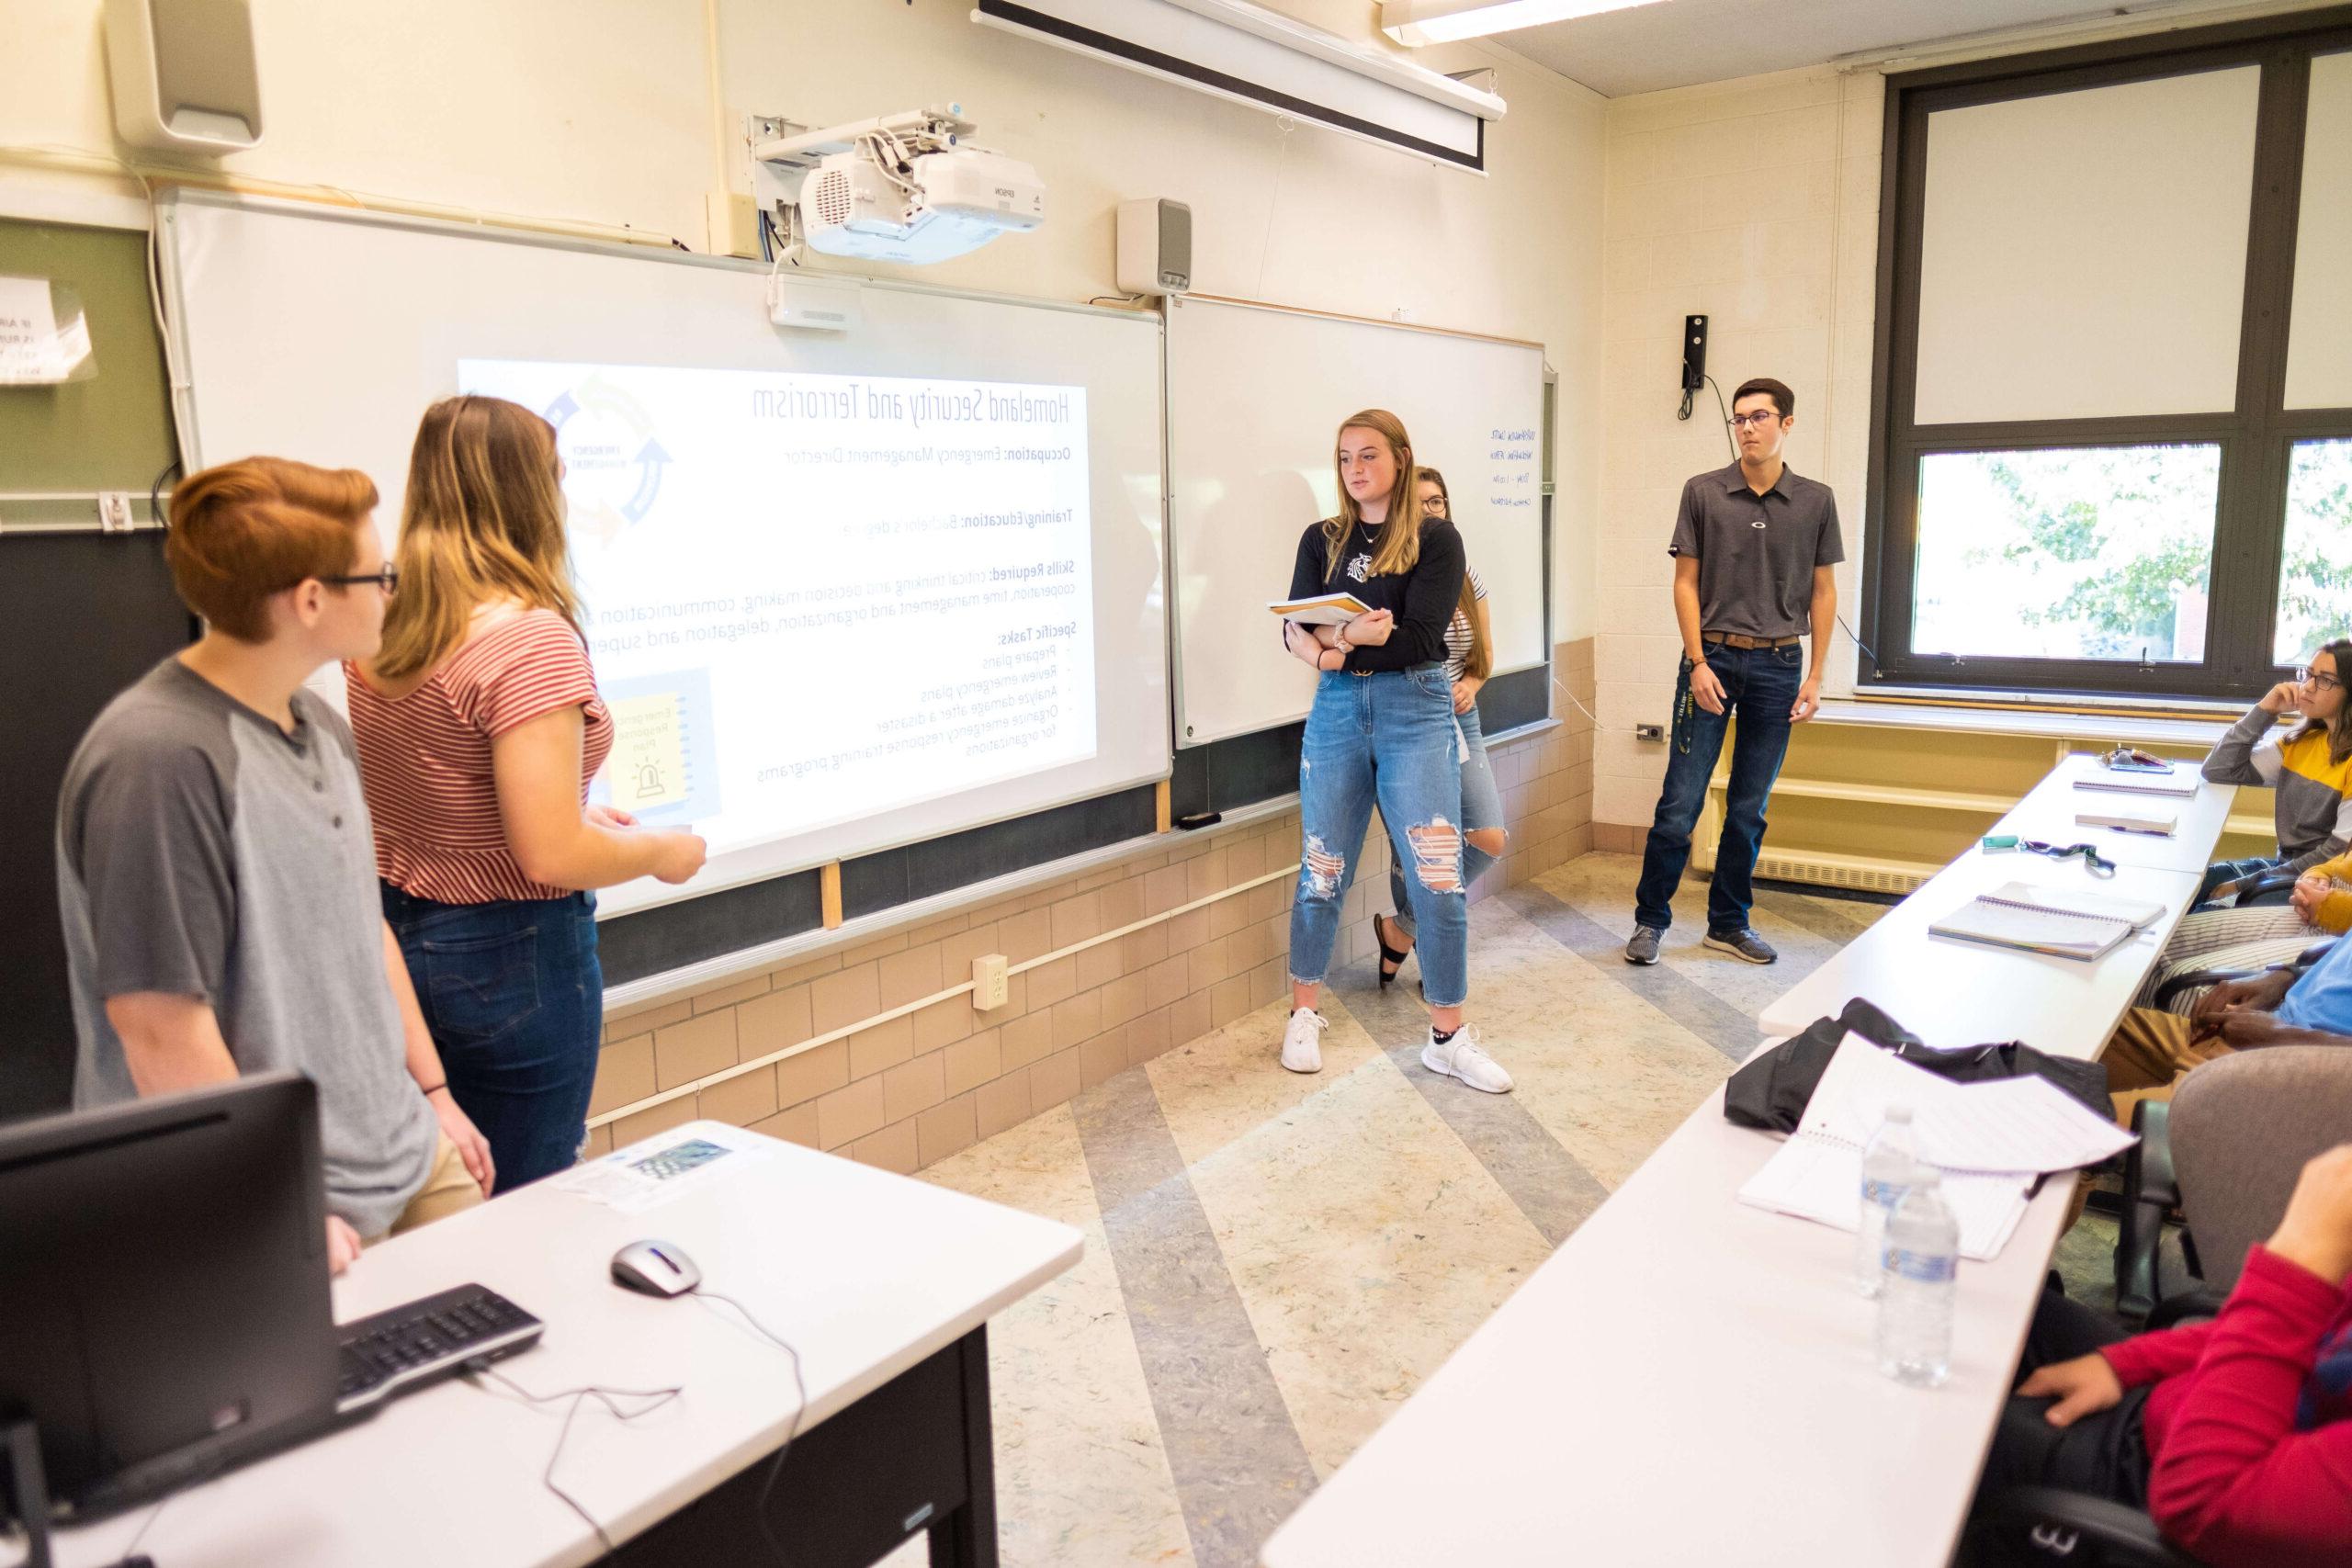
<point x="1753" y="549"/>
<point x="215" y="864"/>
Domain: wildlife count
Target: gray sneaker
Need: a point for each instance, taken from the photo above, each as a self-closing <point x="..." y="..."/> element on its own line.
<point x="1742" y="944"/>
<point x="1642" y="948"/>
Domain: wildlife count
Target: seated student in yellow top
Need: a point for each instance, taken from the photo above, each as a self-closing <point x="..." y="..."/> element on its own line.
<point x="2310" y="771"/>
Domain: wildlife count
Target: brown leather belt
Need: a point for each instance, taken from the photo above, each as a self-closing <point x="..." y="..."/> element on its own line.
<point x="1736" y="639"/>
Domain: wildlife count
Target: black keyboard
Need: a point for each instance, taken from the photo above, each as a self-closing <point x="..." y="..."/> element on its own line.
<point x="428" y="1339"/>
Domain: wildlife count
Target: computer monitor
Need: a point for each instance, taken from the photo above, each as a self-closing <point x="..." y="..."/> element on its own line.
<point x="163" y="1300"/>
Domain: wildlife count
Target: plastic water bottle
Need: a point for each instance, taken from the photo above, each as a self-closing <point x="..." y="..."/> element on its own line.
<point x="1922" y="1273"/>
<point x="1887" y="1164"/>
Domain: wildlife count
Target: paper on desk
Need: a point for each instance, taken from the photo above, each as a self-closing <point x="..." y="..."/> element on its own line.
<point x="653" y="1171"/>
<point x="2021" y="1123"/>
<point x="1823" y="1183"/>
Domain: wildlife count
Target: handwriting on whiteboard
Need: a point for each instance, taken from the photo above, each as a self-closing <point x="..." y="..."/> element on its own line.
<point x="1512" y="472"/>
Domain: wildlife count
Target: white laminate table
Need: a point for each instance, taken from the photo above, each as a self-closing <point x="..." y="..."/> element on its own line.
<point x="1950" y="992"/>
<point x="1690" y="1379"/>
<point x="2048" y="812"/>
<point x="1957" y="993"/>
<point x="1686" y="1380"/>
<point x="883" y="1284"/>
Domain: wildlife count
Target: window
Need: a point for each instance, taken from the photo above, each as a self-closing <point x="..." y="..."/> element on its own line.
<point x="2112" y="443"/>
<point x="2101" y="552"/>
<point x="2315" y="578"/>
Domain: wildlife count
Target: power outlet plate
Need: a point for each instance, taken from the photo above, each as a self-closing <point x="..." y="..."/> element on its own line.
<point x="114" y="512"/>
<point x="991" y="981"/>
<point x="1649" y="732"/>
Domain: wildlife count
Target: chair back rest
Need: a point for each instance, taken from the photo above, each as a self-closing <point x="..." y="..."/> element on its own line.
<point x="2242" y="1128"/>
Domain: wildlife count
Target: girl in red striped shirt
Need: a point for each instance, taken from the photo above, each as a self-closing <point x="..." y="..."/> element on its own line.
<point x="479" y="728"/>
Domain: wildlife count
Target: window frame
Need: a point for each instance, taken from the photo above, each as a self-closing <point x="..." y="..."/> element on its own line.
<point x="2255" y="436"/>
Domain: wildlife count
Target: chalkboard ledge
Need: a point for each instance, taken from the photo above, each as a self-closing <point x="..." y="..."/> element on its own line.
<point x="730" y="967"/>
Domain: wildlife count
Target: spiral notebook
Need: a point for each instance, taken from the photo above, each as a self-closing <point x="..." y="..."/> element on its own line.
<point x="2033" y="920"/>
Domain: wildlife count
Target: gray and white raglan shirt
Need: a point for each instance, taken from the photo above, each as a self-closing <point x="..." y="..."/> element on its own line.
<point x="2314" y="800"/>
<point x="202" y="850"/>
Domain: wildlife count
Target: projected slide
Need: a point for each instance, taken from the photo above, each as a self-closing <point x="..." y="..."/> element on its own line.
<point x="812" y="598"/>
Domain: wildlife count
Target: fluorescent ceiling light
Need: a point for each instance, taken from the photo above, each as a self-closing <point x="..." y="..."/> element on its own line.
<point x="1415" y="22"/>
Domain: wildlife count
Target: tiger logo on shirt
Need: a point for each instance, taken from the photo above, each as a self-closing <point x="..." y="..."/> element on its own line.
<point x="1360" y="569"/>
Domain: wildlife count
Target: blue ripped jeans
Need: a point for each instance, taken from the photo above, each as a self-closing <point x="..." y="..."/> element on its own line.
<point x="1760" y="685"/>
<point x="1388" y="737"/>
<point x="1482" y="806"/>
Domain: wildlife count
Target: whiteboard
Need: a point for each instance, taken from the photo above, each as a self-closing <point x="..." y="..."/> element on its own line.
<point x="322" y="335"/>
<point x="1255" y="396"/>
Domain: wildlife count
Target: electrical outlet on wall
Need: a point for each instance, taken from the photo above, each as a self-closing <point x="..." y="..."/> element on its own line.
<point x="1649" y="732"/>
<point x="991" y="983"/>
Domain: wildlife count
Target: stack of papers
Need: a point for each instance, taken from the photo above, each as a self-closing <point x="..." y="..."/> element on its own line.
<point x="2062" y="922"/>
<point x="1989" y="1140"/>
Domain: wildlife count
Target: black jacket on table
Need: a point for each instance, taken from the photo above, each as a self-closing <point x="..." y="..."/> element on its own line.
<point x="1422" y="600"/>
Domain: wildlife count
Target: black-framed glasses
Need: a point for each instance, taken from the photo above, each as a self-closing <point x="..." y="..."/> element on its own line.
<point x="1760" y="418"/>
<point x="2100" y="864"/>
<point x="1435" y="505"/>
<point x="2307" y="676"/>
<point x="387" y="577"/>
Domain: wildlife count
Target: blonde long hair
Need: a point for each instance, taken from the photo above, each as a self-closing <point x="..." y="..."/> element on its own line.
<point x="1398" y="549"/>
<point x="482" y="520"/>
<point x="1479" y="662"/>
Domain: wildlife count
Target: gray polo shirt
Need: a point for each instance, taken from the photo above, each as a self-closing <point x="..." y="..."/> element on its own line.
<point x="1756" y="553"/>
<point x="204" y="851"/>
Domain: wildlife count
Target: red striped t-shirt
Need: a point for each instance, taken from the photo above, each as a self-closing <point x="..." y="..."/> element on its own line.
<point x="425" y="758"/>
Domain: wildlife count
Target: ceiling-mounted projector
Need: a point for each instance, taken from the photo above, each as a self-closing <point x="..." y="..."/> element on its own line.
<point x="943" y="205"/>
<point x="902" y="188"/>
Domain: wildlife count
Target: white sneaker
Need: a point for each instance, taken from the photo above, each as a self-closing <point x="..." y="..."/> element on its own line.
<point x="1460" y="1057"/>
<point x="1303" y="1041"/>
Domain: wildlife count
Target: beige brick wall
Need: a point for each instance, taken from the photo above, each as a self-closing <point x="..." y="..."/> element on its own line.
<point x="905" y="1093"/>
<point x="1786" y="271"/>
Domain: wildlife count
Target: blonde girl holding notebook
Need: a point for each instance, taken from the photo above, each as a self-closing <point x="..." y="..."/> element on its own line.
<point x="1382" y="729"/>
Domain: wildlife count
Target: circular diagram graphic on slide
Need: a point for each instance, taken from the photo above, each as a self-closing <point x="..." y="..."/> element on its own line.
<point x="612" y="455"/>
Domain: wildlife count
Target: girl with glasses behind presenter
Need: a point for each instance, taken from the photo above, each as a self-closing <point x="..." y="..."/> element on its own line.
<point x="480" y="727"/>
<point x="1381" y="726"/>
<point x="2310" y="771"/>
<point x="1469" y="658"/>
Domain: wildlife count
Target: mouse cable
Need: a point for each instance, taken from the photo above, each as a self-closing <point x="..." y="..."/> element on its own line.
<point x="608" y="1397"/>
<point x="800" y="1387"/>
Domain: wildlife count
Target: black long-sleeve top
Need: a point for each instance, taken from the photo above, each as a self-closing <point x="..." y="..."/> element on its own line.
<point x="1422" y="600"/>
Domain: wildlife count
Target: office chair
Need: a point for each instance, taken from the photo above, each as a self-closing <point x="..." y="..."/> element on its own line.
<point x="2039" y="1525"/>
<point x="2226" y="1151"/>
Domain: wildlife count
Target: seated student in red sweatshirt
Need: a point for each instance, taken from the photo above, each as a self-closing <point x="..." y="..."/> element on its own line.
<point x="2235" y="1435"/>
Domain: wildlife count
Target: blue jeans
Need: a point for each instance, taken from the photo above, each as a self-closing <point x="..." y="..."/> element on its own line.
<point x="1482" y="806"/>
<point x="1388" y="736"/>
<point x="1759" y="687"/>
<point x="514" y="999"/>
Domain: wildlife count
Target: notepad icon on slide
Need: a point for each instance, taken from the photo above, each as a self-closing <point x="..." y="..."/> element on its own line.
<point x="648" y="767"/>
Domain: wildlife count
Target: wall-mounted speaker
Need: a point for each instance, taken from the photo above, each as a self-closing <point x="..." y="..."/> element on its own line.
<point x="184" y="73"/>
<point x="1155" y="247"/>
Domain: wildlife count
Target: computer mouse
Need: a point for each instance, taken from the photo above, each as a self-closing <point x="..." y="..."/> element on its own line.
<point x="655" y="1268"/>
